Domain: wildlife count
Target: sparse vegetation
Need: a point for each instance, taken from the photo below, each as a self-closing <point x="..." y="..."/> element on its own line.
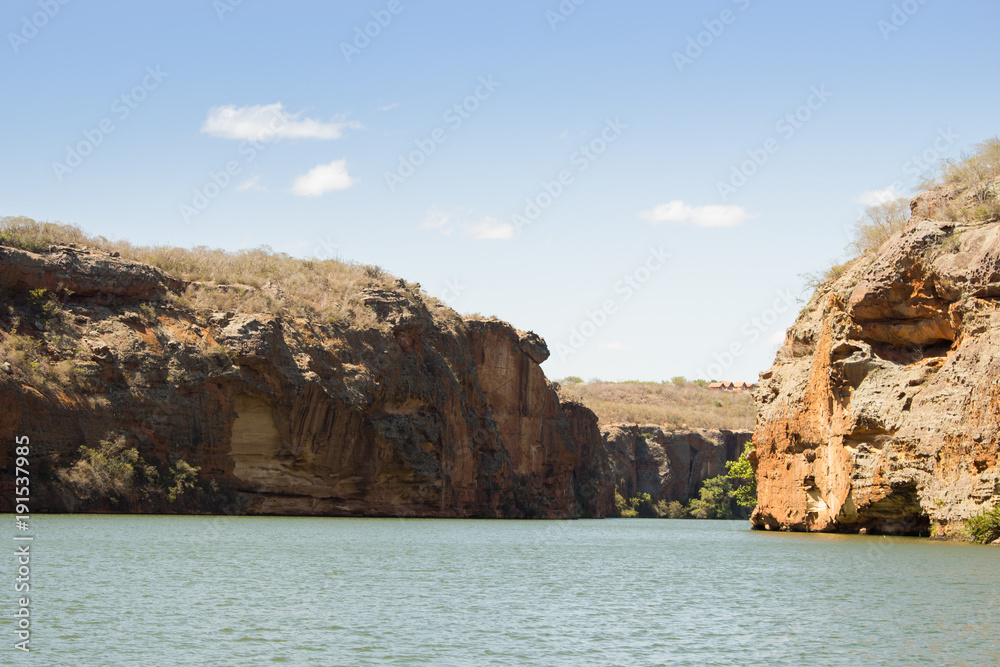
<point x="254" y="280"/>
<point x="29" y="357"/>
<point x="877" y="225"/>
<point x="109" y="470"/>
<point x="185" y="478"/>
<point x="985" y="528"/>
<point x="975" y="182"/>
<point x="670" y="404"/>
<point x="976" y="173"/>
<point x="114" y="472"/>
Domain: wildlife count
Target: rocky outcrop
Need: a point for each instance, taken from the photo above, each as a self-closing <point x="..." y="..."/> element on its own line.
<point x="415" y="414"/>
<point x="82" y="272"/>
<point x="881" y="410"/>
<point x="668" y="465"/>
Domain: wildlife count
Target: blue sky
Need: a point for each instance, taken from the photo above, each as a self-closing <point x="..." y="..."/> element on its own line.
<point x="641" y="183"/>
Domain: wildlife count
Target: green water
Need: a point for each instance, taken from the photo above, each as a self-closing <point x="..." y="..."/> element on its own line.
<point x="156" y="591"/>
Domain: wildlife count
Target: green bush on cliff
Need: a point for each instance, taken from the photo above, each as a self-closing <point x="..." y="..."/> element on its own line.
<point x="743" y="477"/>
<point x="185" y="478"/>
<point x="714" y="499"/>
<point x="985" y="528"/>
<point x="625" y="508"/>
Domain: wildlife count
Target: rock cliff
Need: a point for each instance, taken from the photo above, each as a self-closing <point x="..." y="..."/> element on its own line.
<point x="881" y="410"/>
<point x="138" y="397"/>
<point x="668" y="465"/>
<point x="412" y="414"/>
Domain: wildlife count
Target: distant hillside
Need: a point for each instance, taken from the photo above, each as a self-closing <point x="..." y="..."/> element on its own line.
<point x="674" y="405"/>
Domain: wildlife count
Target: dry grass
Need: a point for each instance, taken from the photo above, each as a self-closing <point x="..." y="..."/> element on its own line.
<point x="975" y="178"/>
<point x="255" y="280"/>
<point x="673" y="405"/>
<point x="878" y="224"/>
<point x="29" y="359"/>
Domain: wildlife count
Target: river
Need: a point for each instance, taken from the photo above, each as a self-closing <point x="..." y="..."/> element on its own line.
<point x="163" y="590"/>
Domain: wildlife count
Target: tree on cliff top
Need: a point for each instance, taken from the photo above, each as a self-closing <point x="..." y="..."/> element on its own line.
<point x="878" y="223"/>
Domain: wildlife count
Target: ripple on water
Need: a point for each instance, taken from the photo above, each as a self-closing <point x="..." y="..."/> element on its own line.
<point x="369" y="591"/>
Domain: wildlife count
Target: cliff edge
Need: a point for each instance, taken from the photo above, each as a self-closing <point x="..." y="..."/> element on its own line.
<point x="881" y="410"/>
<point x="145" y="392"/>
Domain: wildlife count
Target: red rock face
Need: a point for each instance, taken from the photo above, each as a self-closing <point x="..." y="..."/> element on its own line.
<point x="289" y="416"/>
<point x="881" y="410"/>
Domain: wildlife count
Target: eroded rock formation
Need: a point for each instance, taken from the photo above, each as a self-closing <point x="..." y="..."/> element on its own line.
<point x="414" y="413"/>
<point x="881" y="410"/>
<point x="413" y="416"/>
<point x="668" y="465"/>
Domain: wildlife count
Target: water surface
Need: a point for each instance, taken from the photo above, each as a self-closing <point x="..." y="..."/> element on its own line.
<point x="158" y="590"/>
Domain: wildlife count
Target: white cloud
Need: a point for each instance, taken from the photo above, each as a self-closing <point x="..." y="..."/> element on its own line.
<point x="323" y="178"/>
<point x="716" y="215"/>
<point x="614" y="345"/>
<point x="437" y="219"/>
<point x="250" y="184"/>
<point x="875" y="197"/>
<point x="263" y="122"/>
<point x="486" y="229"/>
<point x="388" y="107"/>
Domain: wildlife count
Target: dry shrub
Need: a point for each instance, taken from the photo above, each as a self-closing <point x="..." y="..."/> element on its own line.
<point x="254" y="280"/>
<point x="878" y="224"/>
<point x="106" y="471"/>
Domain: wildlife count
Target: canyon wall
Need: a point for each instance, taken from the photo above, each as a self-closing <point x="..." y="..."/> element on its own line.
<point x="881" y="410"/>
<point x="414" y="415"/>
<point x="135" y="401"/>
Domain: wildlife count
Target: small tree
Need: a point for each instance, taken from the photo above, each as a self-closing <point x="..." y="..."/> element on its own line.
<point x="744" y="478"/>
<point x="677" y="510"/>
<point x="878" y="223"/>
<point x="714" y="501"/>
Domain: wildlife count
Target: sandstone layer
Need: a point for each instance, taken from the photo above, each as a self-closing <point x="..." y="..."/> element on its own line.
<point x="881" y="410"/>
